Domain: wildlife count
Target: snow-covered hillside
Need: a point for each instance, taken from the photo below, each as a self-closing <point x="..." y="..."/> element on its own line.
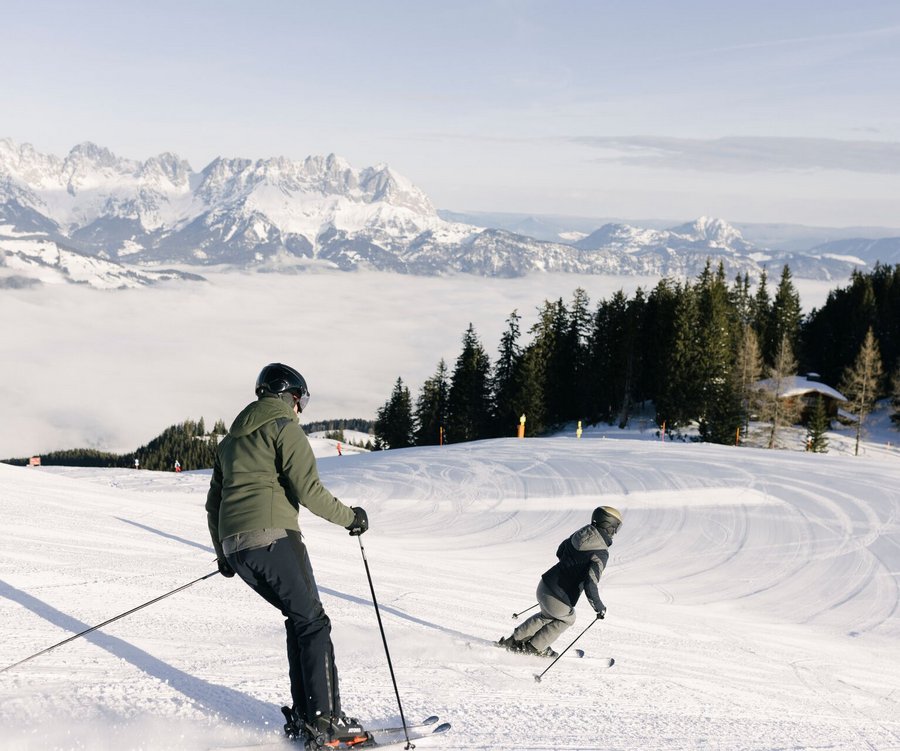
<point x="752" y="602"/>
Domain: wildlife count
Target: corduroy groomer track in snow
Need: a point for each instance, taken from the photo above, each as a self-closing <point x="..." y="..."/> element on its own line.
<point x="752" y="602"/>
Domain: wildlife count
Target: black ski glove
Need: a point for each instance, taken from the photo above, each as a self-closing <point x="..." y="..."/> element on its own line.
<point x="601" y="614"/>
<point x="224" y="568"/>
<point x="360" y="521"/>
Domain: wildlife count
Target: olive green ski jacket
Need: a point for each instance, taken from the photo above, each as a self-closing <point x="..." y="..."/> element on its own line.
<point x="264" y="471"/>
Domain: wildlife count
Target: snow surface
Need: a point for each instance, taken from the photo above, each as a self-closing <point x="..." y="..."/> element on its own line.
<point x="752" y="595"/>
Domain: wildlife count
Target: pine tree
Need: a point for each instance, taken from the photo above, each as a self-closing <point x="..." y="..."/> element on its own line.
<point x="895" y="396"/>
<point x="394" y="422"/>
<point x="719" y="407"/>
<point x="608" y="358"/>
<point x="862" y="381"/>
<point x="469" y="407"/>
<point x="680" y="397"/>
<point x="656" y="339"/>
<point x="778" y="409"/>
<point x="578" y="345"/>
<point x="633" y="356"/>
<point x="553" y="345"/>
<point x="785" y="314"/>
<point x="762" y="316"/>
<point x="741" y="299"/>
<point x="431" y="408"/>
<point x="833" y="334"/>
<point x="507" y="379"/>
<point x="531" y="397"/>
<point x="748" y="370"/>
<point x="819" y="424"/>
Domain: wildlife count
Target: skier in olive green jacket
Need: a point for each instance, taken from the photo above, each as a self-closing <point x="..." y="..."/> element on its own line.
<point x="264" y="471"/>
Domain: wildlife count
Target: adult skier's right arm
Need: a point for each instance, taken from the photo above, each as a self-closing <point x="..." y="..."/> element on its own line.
<point x="213" y="503"/>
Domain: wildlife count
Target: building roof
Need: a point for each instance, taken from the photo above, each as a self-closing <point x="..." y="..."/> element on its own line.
<point x="800" y="386"/>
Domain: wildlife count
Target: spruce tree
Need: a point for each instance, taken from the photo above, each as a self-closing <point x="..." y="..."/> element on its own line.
<point x="431" y="408"/>
<point x="608" y="356"/>
<point x="578" y="345"/>
<point x="531" y="397"/>
<point x="862" y="381"/>
<point x="469" y="407"/>
<point x="507" y="379"/>
<point x="718" y="408"/>
<point x="657" y="335"/>
<point x="762" y="316"/>
<point x="748" y="370"/>
<point x="633" y="352"/>
<point x="778" y="409"/>
<point x="895" y="396"/>
<point x="833" y="334"/>
<point x="553" y="341"/>
<point x="680" y="398"/>
<point x="394" y="422"/>
<point x="785" y="313"/>
<point x="819" y="424"/>
<point x="741" y="299"/>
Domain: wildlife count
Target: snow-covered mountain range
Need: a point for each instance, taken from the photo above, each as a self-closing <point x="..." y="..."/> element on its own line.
<point x="94" y="214"/>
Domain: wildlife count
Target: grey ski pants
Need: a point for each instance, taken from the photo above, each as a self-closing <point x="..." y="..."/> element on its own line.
<point x="543" y="628"/>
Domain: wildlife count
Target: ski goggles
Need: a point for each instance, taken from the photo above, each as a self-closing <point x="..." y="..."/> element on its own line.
<point x="301" y="399"/>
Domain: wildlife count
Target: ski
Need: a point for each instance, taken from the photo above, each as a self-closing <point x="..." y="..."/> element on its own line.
<point x="414" y="726"/>
<point x="381" y="738"/>
<point x="398" y="738"/>
<point x="372" y="738"/>
<point x="573" y="653"/>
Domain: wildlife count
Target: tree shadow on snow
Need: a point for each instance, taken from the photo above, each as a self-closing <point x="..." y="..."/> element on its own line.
<point x="405" y="616"/>
<point x="167" y="535"/>
<point x="226" y="703"/>
<point x="335" y="593"/>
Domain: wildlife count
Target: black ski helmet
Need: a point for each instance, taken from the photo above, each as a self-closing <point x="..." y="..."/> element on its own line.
<point x="276" y="379"/>
<point x="607" y="518"/>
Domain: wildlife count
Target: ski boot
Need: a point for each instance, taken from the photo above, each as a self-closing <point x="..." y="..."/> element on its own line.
<point x="527" y="648"/>
<point x="338" y="732"/>
<point x="508" y="643"/>
<point x="294" y="725"/>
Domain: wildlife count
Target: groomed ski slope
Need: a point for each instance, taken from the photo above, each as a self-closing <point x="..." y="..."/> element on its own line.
<point x="752" y="596"/>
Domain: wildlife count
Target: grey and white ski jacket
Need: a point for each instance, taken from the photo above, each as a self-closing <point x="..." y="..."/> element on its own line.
<point x="582" y="559"/>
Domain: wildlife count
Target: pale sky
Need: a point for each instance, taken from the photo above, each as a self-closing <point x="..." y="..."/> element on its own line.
<point x="752" y="112"/>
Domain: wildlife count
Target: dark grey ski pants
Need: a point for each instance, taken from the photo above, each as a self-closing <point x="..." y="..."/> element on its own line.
<point x="543" y="628"/>
<point x="282" y="575"/>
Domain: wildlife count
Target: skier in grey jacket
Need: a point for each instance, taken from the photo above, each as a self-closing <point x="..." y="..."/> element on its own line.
<point x="582" y="559"/>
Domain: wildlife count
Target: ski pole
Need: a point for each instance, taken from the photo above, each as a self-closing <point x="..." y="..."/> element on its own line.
<point x="516" y="615"/>
<point x="101" y="625"/>
<point x="409" y="743"/>
<point x="538" y="677"/>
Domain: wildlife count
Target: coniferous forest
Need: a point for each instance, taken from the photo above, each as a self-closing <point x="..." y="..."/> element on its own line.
<point x="692" y="351"/>
<point x="189" y="444"/>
